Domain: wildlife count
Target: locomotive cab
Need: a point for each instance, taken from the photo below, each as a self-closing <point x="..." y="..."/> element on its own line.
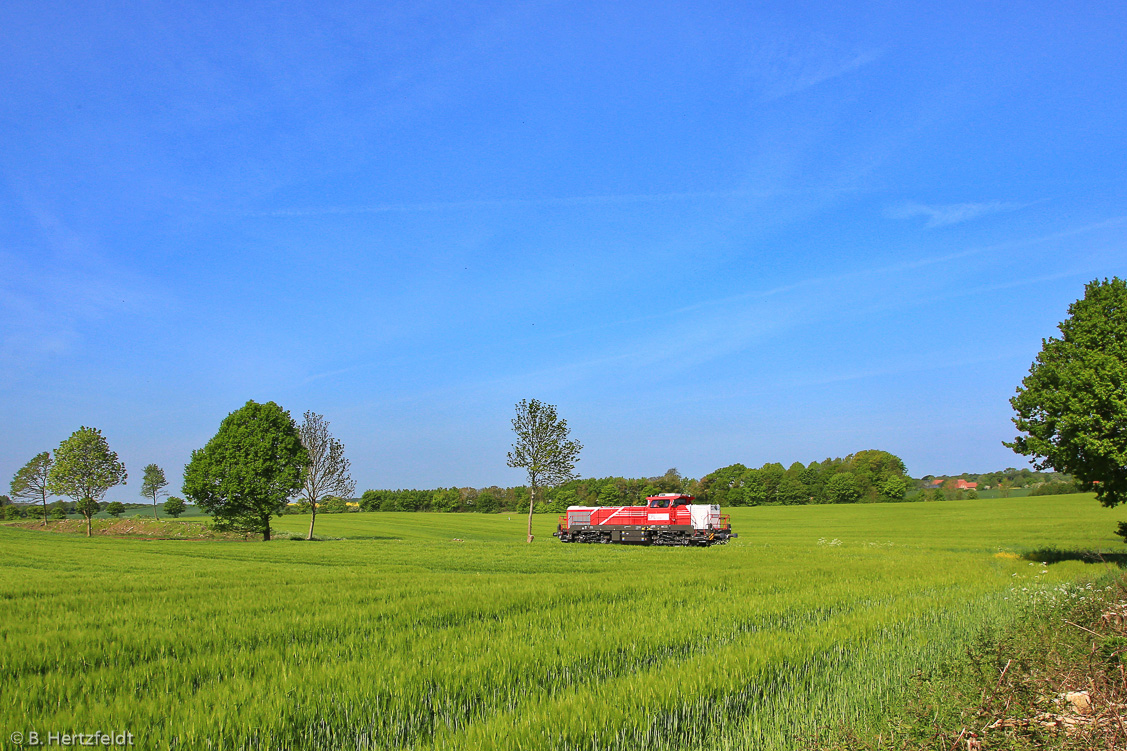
<point x="668" y="500"/>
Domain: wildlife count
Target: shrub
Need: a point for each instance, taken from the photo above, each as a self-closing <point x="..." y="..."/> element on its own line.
<point x="175" y="506"/>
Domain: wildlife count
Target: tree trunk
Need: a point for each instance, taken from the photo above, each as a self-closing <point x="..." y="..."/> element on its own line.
<point x="44" y="512"/>
<point x="531" y="504"/>
<point x="312" y="520"/>
<point x="155" y="507"/>
<point x="88" y="532"/>
<point x="266" y="531"/>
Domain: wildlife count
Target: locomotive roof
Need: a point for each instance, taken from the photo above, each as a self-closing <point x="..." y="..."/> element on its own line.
<point x="670" y="496"/>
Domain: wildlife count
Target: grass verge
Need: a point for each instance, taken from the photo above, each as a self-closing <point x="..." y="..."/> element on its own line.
<point x="1055" y="680"/>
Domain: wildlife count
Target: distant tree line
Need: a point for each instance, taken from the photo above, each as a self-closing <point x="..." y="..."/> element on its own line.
<point x="1000" y="483"/>
<point x="869" y="476"/>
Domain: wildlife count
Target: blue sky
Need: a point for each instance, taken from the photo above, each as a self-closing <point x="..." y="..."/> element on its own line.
<point x="708" y="232"/>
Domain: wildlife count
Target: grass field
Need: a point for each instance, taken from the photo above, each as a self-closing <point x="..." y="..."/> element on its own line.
<point x="398" y="636"/>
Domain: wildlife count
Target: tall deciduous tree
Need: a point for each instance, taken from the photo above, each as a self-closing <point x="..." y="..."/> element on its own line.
<point x="543" y="449"/>
<point x="1072" y="406"/>
<point x="247" y="472"/>
<point x="328" y="471"/>
<point x="85" y="469"/>
<point x="30" y="482"/>
<point x="152" y="484"/>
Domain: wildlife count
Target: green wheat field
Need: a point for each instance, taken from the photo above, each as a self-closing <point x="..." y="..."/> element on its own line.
<point x="448" y="631"/>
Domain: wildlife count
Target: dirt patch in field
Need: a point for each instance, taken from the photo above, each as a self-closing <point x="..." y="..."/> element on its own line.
<point x="145" y="529"/>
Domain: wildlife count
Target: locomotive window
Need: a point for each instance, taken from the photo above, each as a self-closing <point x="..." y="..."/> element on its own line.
<point x="660" y="503"/>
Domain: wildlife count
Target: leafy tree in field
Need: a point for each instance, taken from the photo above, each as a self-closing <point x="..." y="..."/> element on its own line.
<point x="115" y="509"/>
<point x="152" y="484"/>
<point x="843" y="488"/>
<point x="542" y="449"/>
<point x="174" y="507"/>
<point x="85" y="469"/>
<point x="247" y="472"/>
<point x="58" y="512"/>
<point x="30" y="482"/>
<point x="328" y="471"/>
<point x="1072" y="407"/>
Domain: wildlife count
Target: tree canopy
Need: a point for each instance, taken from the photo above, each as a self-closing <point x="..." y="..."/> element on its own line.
<point x="152" y="484"/>
<point x="85" y="469"/>
<point x="247" y="472"/>
<point x="328" y="472"/>
<point x="543" y="448"/>
<point x="30" y="481"/>
<point x="1072" y="407"/>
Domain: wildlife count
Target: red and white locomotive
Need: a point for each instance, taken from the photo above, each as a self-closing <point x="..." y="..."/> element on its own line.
<point x="666" y="519"/>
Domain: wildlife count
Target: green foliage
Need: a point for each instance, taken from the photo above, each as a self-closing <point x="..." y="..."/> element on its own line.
<point x="85" y="468"/>
<point x="115" y="509"/>
<point x="1055" y="488"/>
<point x="333" y="505"/>
<point x="327" y="473"/>
<point x="174" y="507"/>
<point x="1072" y="407"/>
<point x="152" y="484"/>
<point x="893" y="489"/>
<point x="246" y="473"/>
<point x="30" y="482"/>
<point x="843" y="488"/>
<point x="543" y="448"/>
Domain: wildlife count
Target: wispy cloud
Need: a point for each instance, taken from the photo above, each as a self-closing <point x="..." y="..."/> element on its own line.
<point x="780" y="68"/>
<point x="942" y="215"/>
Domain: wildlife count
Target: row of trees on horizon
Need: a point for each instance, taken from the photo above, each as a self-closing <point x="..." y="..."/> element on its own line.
<point x="870" y="476"/>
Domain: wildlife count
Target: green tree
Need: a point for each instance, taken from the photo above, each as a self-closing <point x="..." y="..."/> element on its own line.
<point x="1072" y="407"/>
<point x="792" y="492"/>
<point x="85" y="469"/>
<point x="31" y="480"/>
<point x="893" y="489"/>
<point x="115" y="509"/>
<point x="770" y="475"/>
<point x="152" y="484"/>
<point x="247" y="472"/>
<point x="174" y="507"/>
<point x="332" y="504"/>
<point x="843" y="488"/>
<point x="328" y="471"/>
<point x="543" y="449"/>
